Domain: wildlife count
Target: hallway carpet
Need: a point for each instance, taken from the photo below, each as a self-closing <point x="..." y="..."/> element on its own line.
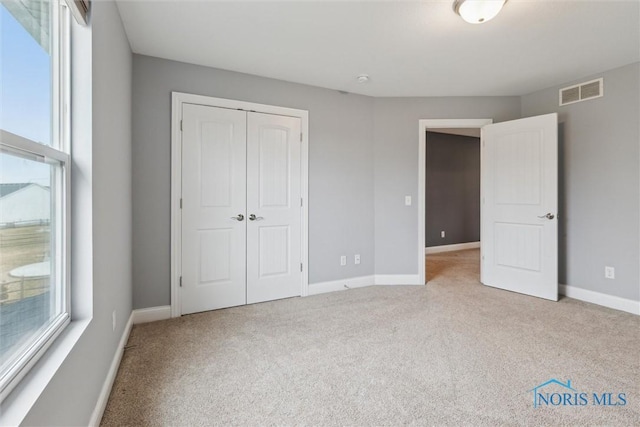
<point x="453" y="352"/>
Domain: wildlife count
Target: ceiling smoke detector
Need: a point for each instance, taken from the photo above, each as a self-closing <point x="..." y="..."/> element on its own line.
<point x="363" y="78"/>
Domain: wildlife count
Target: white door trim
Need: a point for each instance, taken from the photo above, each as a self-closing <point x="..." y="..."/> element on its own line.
<point x="177" y="99"/>
<point x="423" y="126"/>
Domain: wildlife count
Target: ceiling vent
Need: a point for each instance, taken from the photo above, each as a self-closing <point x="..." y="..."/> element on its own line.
<point x="582" y="92"/>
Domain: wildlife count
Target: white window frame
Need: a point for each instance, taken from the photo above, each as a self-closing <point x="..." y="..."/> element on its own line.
<point x="57" y="154"/>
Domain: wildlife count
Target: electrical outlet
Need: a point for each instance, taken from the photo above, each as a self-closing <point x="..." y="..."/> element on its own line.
<point x="113" y="320"/>
<point x="356" y="259"/>
<point x="442" y="234"/>
<point x="343" y="260"/>
<point x="609" y="273"/>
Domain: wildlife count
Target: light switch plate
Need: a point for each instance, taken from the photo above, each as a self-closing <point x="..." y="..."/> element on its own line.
<point x="407" y="200"/>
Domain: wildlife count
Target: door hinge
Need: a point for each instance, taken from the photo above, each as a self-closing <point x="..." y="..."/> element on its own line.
<point x="180" y="125"/>
<point x="301" y="203"/>
<point x="300" y="137"/>
<point x="300" y="266"/>
<point x="181" y="203"/>
<point x="180" y="281"/>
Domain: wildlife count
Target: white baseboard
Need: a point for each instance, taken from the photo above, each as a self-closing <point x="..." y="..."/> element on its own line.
<point x="340" y="285"/>
<point x="610" y="301"/>
<point x="152" y="314"/>
<point x="450" y="248"/>
<point x="103" y="398"/>
<point x="137" y="316"/>
<point x="397" y="279"/>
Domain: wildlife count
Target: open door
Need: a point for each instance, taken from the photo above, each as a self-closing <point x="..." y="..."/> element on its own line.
<point x="519" y="224"/>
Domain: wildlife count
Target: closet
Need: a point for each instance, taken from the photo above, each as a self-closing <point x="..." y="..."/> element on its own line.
<point x="241" y="207"/>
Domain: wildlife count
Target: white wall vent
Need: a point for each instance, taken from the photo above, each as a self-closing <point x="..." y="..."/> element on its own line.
<point x="581" y="92"/>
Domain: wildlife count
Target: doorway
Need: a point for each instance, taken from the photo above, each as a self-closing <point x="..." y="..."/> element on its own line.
<point x="239" y="215"/>
<point x="465" y="126"/>
<point x="519" y="187"/>
<point x="452" y="230"/>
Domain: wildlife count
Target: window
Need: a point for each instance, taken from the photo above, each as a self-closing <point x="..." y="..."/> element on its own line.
<point x="34" y="183"/>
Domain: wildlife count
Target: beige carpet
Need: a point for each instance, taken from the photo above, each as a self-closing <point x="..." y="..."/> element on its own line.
<point x="451" y="353"/>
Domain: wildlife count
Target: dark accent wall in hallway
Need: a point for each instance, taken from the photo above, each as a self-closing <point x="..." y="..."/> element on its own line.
<point x="453" y="189"/>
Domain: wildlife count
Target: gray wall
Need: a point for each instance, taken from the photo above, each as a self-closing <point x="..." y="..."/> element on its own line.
<point x="599" y="188"/>
<point x="452" y="201"/>
<point x="599" y="179"/>
<point x="70" y="397"/>
<point x="340" y="168"/>
<point x="396" y="167"/>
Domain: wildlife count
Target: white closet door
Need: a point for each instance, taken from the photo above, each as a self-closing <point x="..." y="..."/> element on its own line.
<point x="520" y="206"/>
<point x="213" y="208"/>
<point x="273" y="199"/>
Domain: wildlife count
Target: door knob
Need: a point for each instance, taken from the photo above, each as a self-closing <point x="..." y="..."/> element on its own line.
<point x="252" y="217"/>
<point x="240" y="217"/>
<point x="548" y="216"/>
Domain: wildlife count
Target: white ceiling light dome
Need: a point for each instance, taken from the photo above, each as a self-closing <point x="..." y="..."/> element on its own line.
<point x="478" y="11"/>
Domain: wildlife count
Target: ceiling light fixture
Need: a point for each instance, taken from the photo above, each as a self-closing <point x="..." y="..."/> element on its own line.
<point x="363" y="78"/>
<point x="478" y="11"/>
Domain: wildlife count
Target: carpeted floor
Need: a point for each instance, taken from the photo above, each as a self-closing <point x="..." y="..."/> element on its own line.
<point x="453" y="352"/>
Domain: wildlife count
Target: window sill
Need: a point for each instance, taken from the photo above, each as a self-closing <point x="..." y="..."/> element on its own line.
<point x="19" y="402"/>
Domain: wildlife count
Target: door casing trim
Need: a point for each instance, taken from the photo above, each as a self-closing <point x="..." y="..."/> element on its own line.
<point x="177" y="100"/>
<point x="423" y="126"/>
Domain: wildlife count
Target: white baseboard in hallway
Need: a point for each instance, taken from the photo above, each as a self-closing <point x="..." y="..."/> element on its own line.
<point x="340" y="285"/>
<point x="451" y="248"/>
<point x="610" y="301"/>
<point x="151" y="314"/>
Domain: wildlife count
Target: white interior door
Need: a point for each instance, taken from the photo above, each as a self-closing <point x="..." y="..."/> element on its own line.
<point x="213" y="208"/>
<point x="520" y="206"/>
<point x="241" y="212"/>
<point x="273" y="207"/>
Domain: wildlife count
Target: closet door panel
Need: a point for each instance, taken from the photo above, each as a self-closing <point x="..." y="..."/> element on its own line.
<point x="213" y="203"/>
<point x="273" y="207"/>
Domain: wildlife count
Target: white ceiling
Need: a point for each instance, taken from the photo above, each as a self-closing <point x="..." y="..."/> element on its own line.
<point x="408" y="48"/>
